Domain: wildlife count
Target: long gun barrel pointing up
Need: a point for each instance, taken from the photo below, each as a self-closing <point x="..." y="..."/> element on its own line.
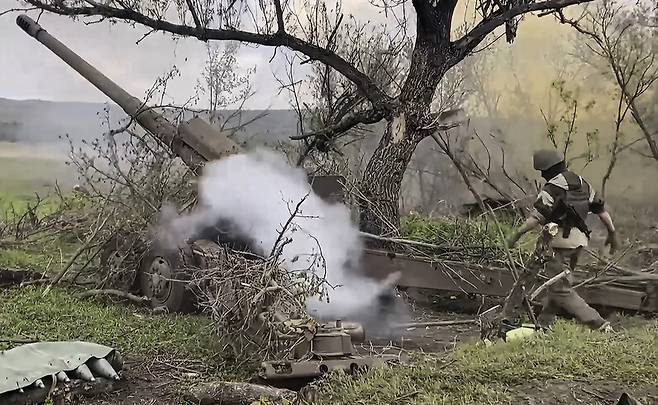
<point x="194" y="141"/>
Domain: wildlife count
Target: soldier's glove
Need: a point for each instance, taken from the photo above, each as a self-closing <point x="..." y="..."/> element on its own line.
<point x="613" y="241"/>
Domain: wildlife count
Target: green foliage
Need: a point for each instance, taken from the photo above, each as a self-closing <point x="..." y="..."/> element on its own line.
<point x="58" y="315"/>
<point x="476" y="240"/>
<point x="563" y="132"/>
<point x="476" y="374"/>
<point x="456" y="231"/>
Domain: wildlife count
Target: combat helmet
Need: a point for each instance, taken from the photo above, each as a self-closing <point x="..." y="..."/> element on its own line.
<point x="544" y="159"/>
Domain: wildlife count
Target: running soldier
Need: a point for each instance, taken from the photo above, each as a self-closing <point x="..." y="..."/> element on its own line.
<point x="566" y="199"/>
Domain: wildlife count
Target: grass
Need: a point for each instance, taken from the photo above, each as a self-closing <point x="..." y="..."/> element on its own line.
<point x="475" y="374"/>
<point x="58" y="315"/>
<point x="21" y="178"/>
<point x="42" y="256"/>
<point x="18" y="258"/>
<point x="479" y="238"/>
<point x="454" y="231"/>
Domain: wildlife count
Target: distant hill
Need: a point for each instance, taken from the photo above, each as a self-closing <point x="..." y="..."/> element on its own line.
<point x="38" y="121"/>
<point x="44" y="122"/>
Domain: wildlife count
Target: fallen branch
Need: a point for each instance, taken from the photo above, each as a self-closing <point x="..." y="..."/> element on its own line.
<point x="402" y="241"/>
<point x="21" y="341"/>
<point x="628" y="279"/>
<point x="8" y="244"/>
<point x="10" y="277"/>
<point x="77" y="254"/>
<point x="435" y="323"/>
<point x="549" y="283"/>
<point x="122" y="294"/>
<point x="231" y="393"/>
<point x="623" y="270"/>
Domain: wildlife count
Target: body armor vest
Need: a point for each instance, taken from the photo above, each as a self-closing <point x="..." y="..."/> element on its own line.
<point x="572" y="207"/>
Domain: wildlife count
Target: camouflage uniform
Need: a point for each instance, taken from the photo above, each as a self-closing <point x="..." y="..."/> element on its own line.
<point x="565" y="249"/>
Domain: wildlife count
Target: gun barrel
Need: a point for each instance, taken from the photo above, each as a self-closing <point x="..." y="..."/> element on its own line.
<point x="128" y="102"/>
<point x="146" y="117"/>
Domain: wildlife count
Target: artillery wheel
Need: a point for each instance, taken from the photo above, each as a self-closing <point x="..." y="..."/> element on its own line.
<point x="163" y="278"/>
<point x="120" y="257"/>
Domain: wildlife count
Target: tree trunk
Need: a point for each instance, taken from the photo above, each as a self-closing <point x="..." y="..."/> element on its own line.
<point x="430" y="60"/>
<point x="382" y="178"/>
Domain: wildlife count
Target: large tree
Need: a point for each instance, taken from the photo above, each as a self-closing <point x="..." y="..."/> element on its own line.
<point x="437" y="46"/>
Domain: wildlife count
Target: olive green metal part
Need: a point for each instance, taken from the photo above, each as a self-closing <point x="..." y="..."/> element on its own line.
<point x="331" y="348"/>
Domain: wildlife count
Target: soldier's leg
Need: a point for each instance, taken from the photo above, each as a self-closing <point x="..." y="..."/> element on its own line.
<point x="548" y="313"/>
<point x="555" y="265"/>
<point x="564" y="296"/>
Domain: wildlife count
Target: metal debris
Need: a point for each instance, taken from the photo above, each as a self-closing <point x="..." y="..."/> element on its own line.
<point x="83" y="373"/>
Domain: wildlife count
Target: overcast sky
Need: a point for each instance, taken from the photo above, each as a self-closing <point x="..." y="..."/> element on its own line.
<point x="29" y="70"/>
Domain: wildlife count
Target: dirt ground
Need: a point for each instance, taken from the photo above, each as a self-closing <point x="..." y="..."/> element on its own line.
<point x="147" y="382"/>
<point x="160" y="381"/>
<point x="575" y="392"/>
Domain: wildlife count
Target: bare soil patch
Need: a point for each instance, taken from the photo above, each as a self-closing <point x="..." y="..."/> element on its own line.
<point x="148" y="381"/>
<point x="573" y="392"/>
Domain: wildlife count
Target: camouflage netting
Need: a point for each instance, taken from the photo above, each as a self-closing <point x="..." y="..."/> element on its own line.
<point x="22" y="366"/>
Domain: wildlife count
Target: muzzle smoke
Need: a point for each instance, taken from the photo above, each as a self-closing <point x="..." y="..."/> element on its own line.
<point x="259" y="193"/>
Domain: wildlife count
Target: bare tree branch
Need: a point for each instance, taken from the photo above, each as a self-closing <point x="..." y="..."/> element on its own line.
<point x="608" y="27"/>
<point x="348" y="122"/>
<point x="314" y="52"/>
<point x="196" y="19"/>
<point x="279" y="16"/>
<point x="474" y="37"/>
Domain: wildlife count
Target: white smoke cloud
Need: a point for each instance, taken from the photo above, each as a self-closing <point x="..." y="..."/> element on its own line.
<point x="259" y="192"/>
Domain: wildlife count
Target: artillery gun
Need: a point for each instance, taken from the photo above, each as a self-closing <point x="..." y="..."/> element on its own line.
<point x="195" y="142"/>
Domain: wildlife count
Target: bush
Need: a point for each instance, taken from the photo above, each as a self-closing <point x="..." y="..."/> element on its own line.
<point x="465" y="239"/>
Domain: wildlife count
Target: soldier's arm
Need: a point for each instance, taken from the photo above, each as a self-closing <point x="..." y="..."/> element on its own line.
<point x="607" y="221"/>
<point x="542" y="207"/>
<point x="597" y="206"/>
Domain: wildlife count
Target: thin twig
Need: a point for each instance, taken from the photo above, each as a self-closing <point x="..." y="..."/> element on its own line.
<point x="122" y="294"/>
<point x="435" y="323"/>
<point x="77" y="253"/>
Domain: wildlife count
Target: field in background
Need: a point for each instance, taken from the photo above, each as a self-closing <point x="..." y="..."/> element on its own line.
<point x="26" y="169"/>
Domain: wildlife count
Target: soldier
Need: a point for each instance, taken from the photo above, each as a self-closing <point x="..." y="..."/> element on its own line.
<point x="566" y="199"/>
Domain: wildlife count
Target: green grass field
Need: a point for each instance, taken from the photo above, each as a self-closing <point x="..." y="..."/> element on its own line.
<point x="476" y="374"/>
<point x="472" y="374"/>
<point x="21" y="179"/>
